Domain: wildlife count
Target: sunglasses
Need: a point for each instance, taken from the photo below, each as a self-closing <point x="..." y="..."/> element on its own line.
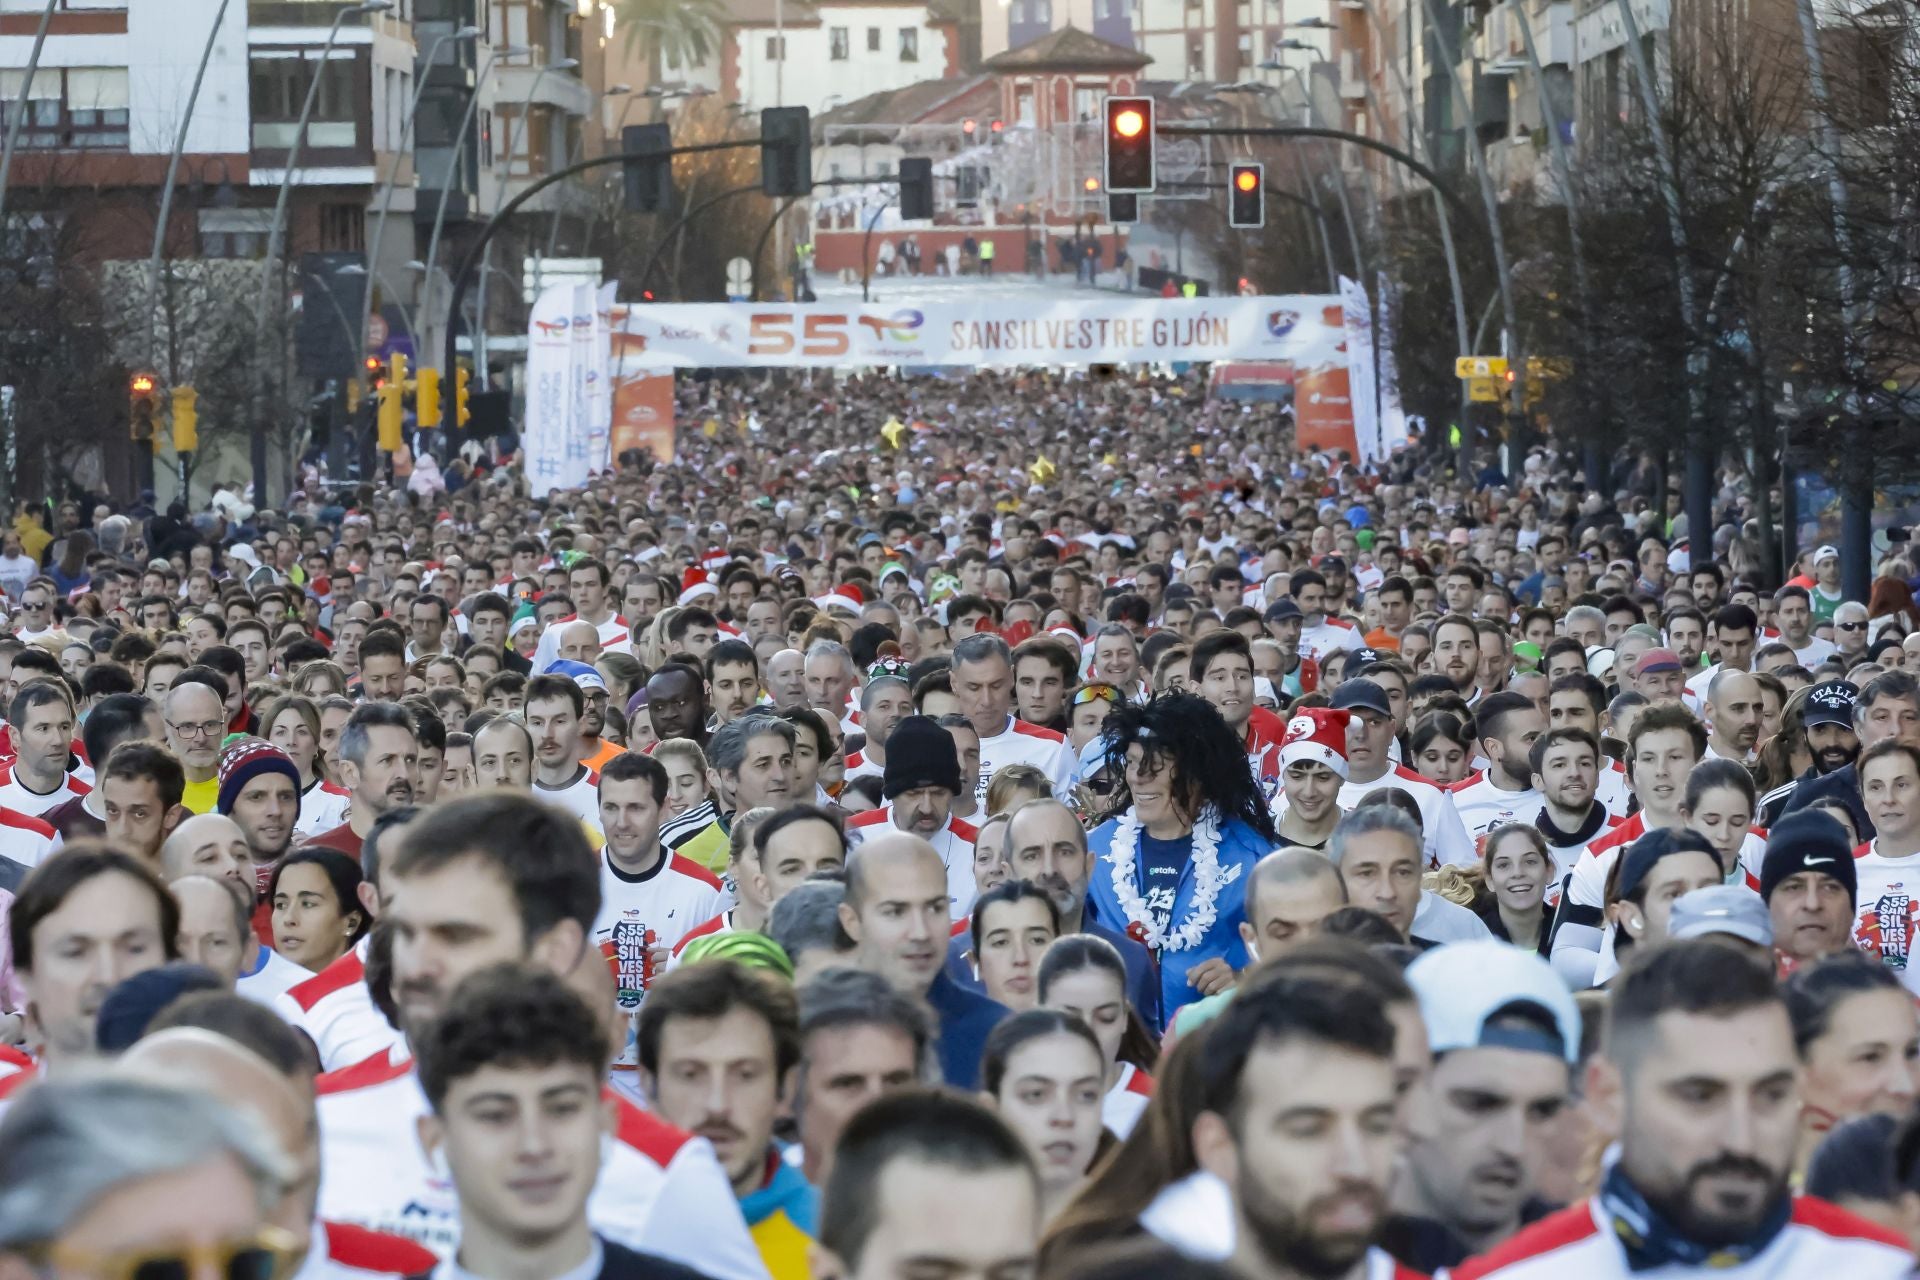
<point x="270" y="1255"/>
<point x="1090" y="692"/>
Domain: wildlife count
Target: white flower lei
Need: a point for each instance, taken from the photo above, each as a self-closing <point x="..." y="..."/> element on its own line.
<point x="1125" y="852"/>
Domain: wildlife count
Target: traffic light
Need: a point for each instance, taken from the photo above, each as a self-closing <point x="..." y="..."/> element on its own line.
<point x="462" y="394"/>
<point x="426" y="397"/>
<point x="186" y="419"/>
<point x="1123" y="206"/>
<point x="786" y="151"/>
<point x="968" y="126"/>
<point x="143" y="402"/>
<point x="376" y="373"/>
<point x="389" y="416"/>
<point x="649" y="182"/>
<point x="1247" y="195"/>
<point x="916" y="188"/>
<point x="1130" y="145"/>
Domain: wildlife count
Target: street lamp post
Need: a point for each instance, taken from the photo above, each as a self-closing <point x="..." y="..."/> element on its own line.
<point x="262" y="498"/>
<point x="166" y="193"/>
<point x="393" y="177"/>
<point x="500" y="198"/>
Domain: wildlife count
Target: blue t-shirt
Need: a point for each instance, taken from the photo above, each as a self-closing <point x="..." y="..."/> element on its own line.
<point x="1161" y="864"/>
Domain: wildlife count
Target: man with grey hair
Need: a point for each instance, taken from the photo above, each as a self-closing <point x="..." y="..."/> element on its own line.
<point x="1377" y="848"/>
<point x="1588" y="625"/>
<point x="1116" y="659"/>
<point x="806" y="924"/>
<point x="753" y="757"/>
<point x="859" y="1038"/>
<point x="100" y="1169"/>
<point x="884" y="703"/>
<point x="982" y="678"/>
<point x="831" y="676"/>
<point x="786" y="674"/>
<point x="380" y="767"/>
<point x="1850" y="631"/>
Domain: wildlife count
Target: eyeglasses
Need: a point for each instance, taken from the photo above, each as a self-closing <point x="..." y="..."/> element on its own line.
<point x="207" y="730"/>
<point x="1089" y="692"/>
<point x="269" y="1255"/>
<point x="1850" y="626"/>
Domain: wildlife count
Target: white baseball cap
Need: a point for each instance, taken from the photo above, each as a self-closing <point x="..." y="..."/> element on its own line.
<point x="1464" y="986"/>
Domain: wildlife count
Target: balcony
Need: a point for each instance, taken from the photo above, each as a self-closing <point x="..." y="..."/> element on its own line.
<point x="340" y="130"/>
<point x="1502" y="42"/>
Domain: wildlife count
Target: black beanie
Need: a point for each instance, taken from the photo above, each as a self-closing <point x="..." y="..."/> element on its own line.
<point x="1808" y="840"/>
<point x="920" y="754"/>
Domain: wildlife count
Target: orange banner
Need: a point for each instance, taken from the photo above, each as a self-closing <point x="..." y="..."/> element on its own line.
<point x="643" y="415"/>
<point x="1323" y="409"/>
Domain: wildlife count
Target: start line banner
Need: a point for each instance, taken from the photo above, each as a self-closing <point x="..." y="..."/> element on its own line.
<point x="1307" y="330"/>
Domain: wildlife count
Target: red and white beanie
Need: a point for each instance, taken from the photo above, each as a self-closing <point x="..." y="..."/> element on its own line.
<point x="1317" y="735"/>
<point x="695" y="583"/>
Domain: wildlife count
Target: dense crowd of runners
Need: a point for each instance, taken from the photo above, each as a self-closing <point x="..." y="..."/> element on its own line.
<point x="960" y="829"/>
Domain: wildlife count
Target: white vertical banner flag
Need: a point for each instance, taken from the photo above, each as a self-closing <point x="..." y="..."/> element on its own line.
<point x="543" y="440"/>
<point x="1357" y="317"/>
<point x="600" y="383"/>
<point x="581" y="362"/>
<point x="1393" y="415"/>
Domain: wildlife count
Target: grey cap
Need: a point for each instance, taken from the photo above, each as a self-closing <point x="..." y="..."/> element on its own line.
<point x="1730" y="909"/>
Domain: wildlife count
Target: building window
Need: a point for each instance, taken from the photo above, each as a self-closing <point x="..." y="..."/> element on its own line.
<point x="278" y="92"/>
<point x="234" y="233"/>
<point x="342" y="228"/>
<point x="776" y="48"/>
<point x="837" y="43"/>
<point x="1196" y="56"/>
<point x="873" y="39"/>
<point x="1043" y="12"/>
<point x="76" y="109"/>
<point x="909" y="44"/>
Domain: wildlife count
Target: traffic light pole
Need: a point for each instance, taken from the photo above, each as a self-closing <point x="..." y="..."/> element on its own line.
<point x="470" y="261"/>
<point x="680" y="224"/>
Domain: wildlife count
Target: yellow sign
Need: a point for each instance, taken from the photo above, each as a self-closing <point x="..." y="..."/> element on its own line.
<point x="893" y="432"/>
<point x="1042" y="471"/>
<point x="1483" y="390"/>
<point x="1480" y="367"/>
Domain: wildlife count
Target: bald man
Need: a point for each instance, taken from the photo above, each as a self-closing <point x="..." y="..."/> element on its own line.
<point x="208" y="844"/>
<point x="194" y="1058"/>
<point x="1289" y="893"/>
<point x="580" y="642"/>
<point x="786" y="679"/>
<point x="896" y="913"/>
<point x="1733" y="713"/>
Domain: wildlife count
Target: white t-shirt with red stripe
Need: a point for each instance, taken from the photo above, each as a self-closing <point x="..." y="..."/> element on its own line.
<point x="1482" y="805"/>
<point x="660" y="1191"/>
<point x="323" y="806"/>
<point x="1331" y="636"/>
<point x="1126" y="1102"/>
<point x="336" y="1011"/>
<point x="639" y="914"/>
<point x="615" y="637"/>
<point x="25" y="839"/>
<point x="581" y="797"/>
<point x="1447" y="842"/>
<point x="343" y="1252"/>
<point x="862" y="765"/>
<point x="953" y="841"/>
<point x="1023" y="743"/>
<point x="1579" y="1243"/>
<point x="14" y="793"/>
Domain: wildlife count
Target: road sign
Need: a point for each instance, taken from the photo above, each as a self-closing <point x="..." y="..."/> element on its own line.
<point x="739" y="279"/>
<point x="376" y="331"/>
<point x="1480" y="367"/>
<point x="1483" y="391"/>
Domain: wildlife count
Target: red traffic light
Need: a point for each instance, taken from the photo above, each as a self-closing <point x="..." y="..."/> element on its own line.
<point x="1246" y="180"/>
<point x="967" y="127"/>
<point x="1128" y="122"/>
<point x="998" y="125"/>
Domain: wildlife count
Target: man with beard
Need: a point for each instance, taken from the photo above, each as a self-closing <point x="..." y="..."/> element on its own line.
<point x="1309" y="1195"/>
<point x="884" y="703"/>
<point x="1827" y="716"/>
<point x="1696" y="1084"/>
<point x="1565" y="763"/>
<point x="1507" y="724"/>
<point x="379" y="765"/>
<point x="1888" y="707"/>
<point x="1321" y="633"/>
<point x="1810" y="882"/>
<point x="1732" y="711"/>
<point x="1505" y="1035"/>
<point x="1456" y="654"/>
<point x="491" y="879"/>
<point x="677" y="704"/>
<point x="921" y="780"/>
<point x="260" y="790"/>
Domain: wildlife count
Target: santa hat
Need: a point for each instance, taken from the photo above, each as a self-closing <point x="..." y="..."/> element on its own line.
<point x="716" y="558"/>
<point x="1317" y="735"/>
<point x="695" y="583"/>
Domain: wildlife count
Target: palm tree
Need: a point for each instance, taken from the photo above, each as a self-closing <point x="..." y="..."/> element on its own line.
<point x="683" y="33"/>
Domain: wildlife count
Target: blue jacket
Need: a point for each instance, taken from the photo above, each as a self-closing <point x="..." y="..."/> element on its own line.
<point x="1143" y="976"/>
<point x="1240" y="847"/>
<point x="965" y="1019"/>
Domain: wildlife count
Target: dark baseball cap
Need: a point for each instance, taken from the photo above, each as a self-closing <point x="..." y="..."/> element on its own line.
<point x="1830" y="702"/>
<point x="1332" y="564"/>
<point x="1282" y="609"/>
<point x="1362" y="695"/>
